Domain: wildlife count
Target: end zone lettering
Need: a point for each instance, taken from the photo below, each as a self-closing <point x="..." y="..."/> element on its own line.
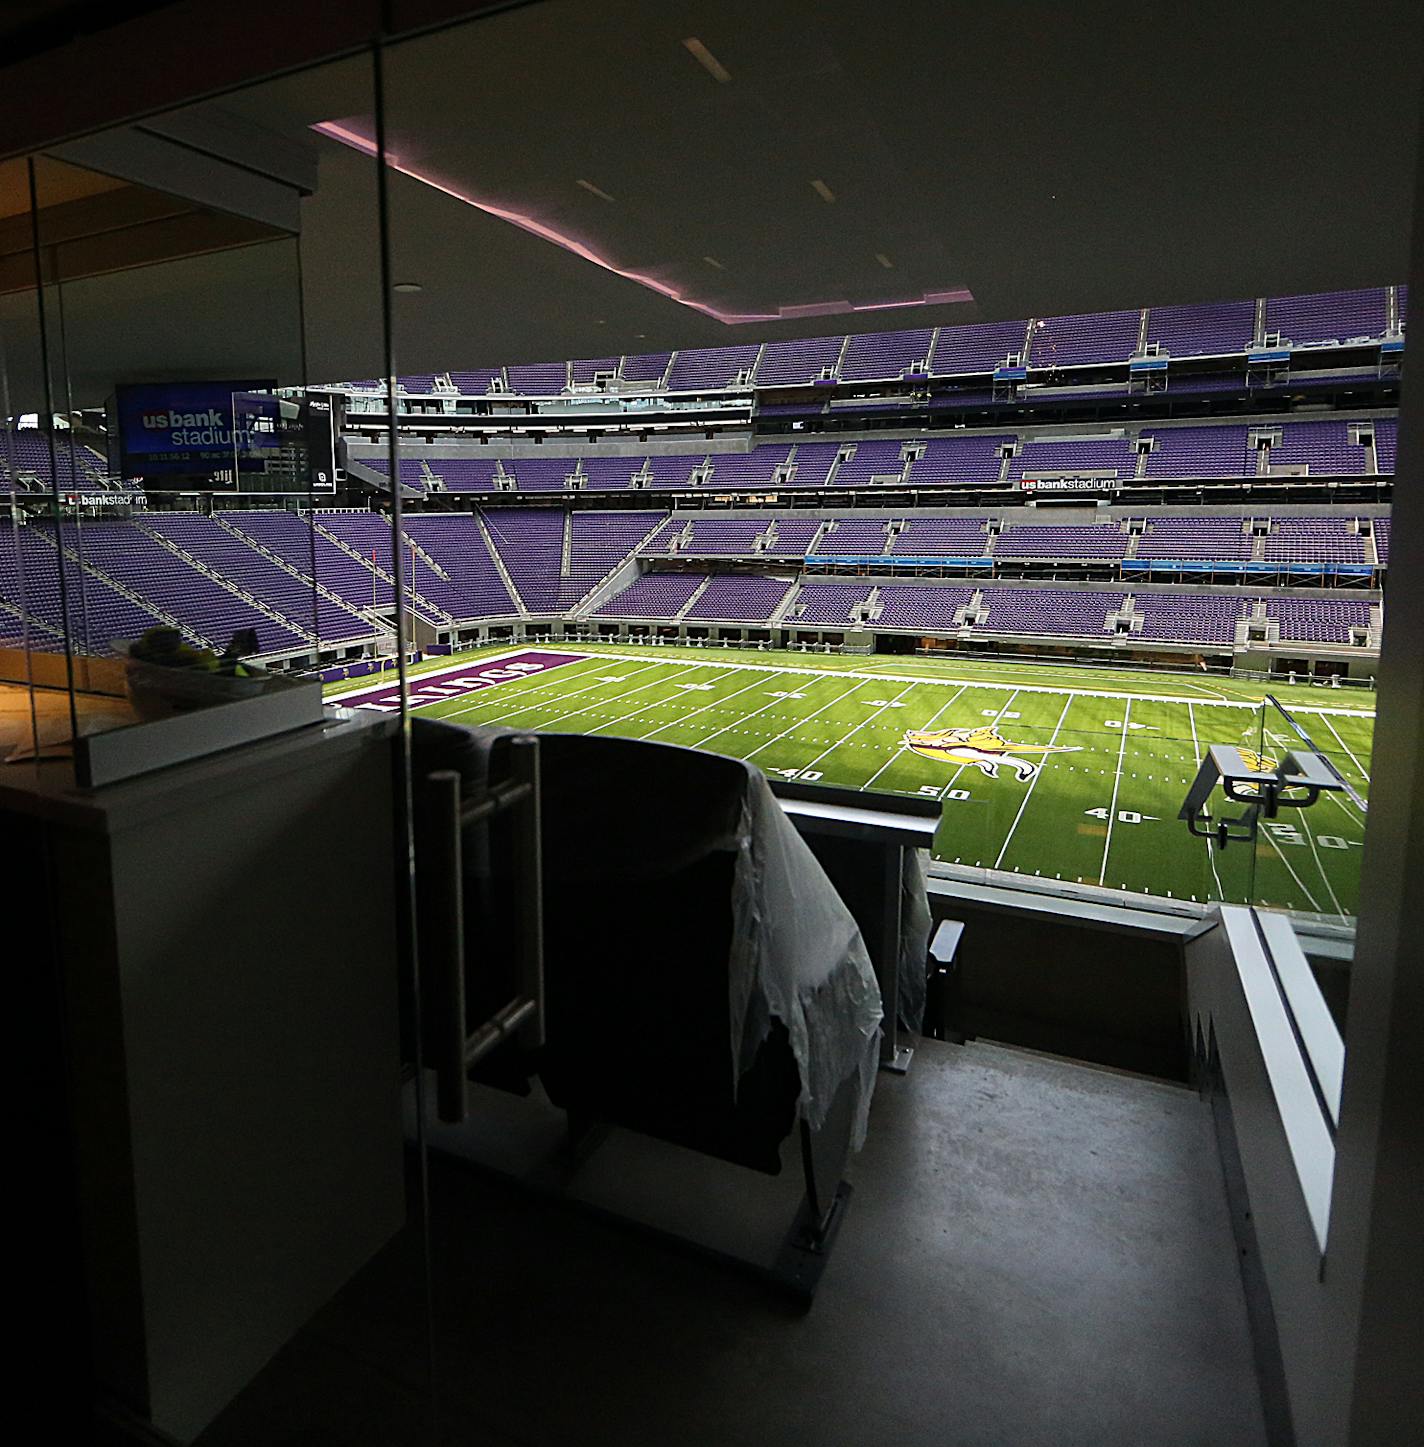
<point x="457" y="680"/>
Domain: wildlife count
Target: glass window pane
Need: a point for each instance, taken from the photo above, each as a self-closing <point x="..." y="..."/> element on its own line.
<point x="176" y="580"/>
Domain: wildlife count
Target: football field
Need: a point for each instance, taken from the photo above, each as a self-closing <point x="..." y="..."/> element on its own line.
<point x="1042" y="770"/>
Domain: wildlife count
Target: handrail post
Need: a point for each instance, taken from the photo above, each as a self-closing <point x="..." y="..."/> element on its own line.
<point x="442" y="933"/>
<point x="529" y="885"/>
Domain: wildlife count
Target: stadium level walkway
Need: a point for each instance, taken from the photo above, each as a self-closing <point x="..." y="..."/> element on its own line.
<point x="1037" y="1252"/>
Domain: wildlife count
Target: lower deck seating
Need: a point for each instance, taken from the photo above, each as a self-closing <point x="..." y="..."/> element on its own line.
<point x="1318" y="620"/>
<point x="456" y="544"/>
<point x="655" y="595"/>
<point x="254" y="568"/>
<point x="96" y="613"/>
<point x="751" y="600"/>
<point x="125" y="554"/>
<point x="1049" y="611"/>
<point x="230" y="554"/>
<point x="827" y="602"/>
<point x="932" y="607"/>
<point x="1171" y="617"/>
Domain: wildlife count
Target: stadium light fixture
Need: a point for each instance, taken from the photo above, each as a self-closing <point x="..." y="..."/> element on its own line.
<point x="345" y="133"/>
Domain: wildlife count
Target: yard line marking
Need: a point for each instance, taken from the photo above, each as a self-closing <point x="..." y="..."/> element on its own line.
<point x="624" y="717"/>
<point x="1352" y="814"/>
<point x="1117" y="779"/>
<point x="1363" y="772"/>
<point x="1211" y="693"/>
<point x="525" y="694"/>
<point x="683" y="718"/>
<point x="869" y="718"/>
<point x="1033" y="783"/>
<point x="574" y="713"/>
<point x="951" y="679"/>
<point x="1115" y="695"/>
<point x="1310" y="835"/>
<point x="1352" y="793"/>
<point x="1215" y="695"/>
<point x="1315" y="854"/>
<point x="904" y="748"/>
<point x="805" y="719"/>
<point x="1314" y="903"/>
<point x="539" y="684"/>
<point x="986" y="681"/>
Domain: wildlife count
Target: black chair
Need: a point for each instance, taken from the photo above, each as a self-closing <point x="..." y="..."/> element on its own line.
<point x="647" y="1024"/>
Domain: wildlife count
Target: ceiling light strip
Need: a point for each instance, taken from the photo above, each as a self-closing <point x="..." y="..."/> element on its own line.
<point x="354" y="139"/>
<point x="707" y="60"/>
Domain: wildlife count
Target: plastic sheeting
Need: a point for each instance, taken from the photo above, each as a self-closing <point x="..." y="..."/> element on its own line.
<point x="858" y="867"/>
<point x="915" y="925"/>
<point x="798" y="956"/>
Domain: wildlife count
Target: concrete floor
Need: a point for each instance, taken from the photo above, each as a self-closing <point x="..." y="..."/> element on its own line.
<point x="1036" y="1253"/>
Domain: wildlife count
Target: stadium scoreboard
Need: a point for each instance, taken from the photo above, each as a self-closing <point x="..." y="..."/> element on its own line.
<point x="228" y="436"/>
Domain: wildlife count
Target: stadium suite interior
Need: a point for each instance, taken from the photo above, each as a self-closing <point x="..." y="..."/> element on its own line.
<point x="992" y="479"/>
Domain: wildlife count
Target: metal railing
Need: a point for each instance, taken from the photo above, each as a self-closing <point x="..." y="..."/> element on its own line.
<point x="457" y="1047"/>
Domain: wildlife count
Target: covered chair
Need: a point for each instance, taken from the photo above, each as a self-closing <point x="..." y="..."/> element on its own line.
<point x="704" y="983"/>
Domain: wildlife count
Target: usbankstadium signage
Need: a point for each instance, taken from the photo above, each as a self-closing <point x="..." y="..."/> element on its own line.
<point x="194" y="428"/>
<point x="103" y="499"/>
<point x="1070" y="482"/>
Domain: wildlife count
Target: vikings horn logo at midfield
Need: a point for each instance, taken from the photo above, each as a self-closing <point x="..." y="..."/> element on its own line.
<point x="983" y="748"/>
<point x="1258" y="764"/>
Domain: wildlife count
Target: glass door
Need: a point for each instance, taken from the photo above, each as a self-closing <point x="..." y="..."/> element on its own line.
<point x="190" y="577"/>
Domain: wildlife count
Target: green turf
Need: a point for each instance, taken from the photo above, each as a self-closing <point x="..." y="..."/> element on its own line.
<point x="1186" y="685"/>
<point x="1100" y="810"/>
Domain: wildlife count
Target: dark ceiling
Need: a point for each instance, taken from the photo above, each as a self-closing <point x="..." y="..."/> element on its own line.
<point x="31" y="27"/>
<point x="1049" y="158"/>
<point x="1044" y="157"/>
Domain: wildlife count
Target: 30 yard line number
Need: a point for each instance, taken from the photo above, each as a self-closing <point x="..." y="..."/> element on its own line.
<point x="1291" y="834"/>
